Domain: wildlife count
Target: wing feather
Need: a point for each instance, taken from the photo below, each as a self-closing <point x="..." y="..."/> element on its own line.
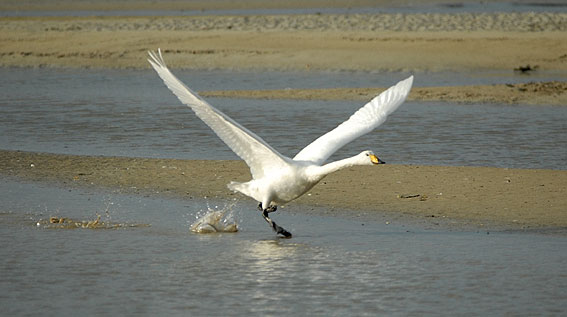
<point x="258" y="154"/>
<point x="366" y="119"/>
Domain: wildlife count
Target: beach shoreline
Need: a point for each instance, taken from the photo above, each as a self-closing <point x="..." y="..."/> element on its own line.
<point x="484" y="198"/>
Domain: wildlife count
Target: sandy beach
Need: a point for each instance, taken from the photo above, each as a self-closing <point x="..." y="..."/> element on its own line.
<point x="411" y="42"/>
<point x="479" y="197"/>
<point x="382" y="42"/>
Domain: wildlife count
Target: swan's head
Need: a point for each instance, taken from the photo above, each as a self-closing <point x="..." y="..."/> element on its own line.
<point x="369" y="158"/>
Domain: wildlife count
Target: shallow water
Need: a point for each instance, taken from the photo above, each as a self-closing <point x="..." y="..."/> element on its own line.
<point x="131" y="113"/>
<point x="332" y="266"/>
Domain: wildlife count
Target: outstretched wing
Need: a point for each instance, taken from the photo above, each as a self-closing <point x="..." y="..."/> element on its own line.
<point x="258" y="154"/>
<point x="361" y="122"/>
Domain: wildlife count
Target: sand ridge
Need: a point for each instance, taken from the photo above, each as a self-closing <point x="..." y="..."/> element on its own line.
<point x="478" y="196"/>
<point x="411" y="42"/>
<point x="546" y="93"/>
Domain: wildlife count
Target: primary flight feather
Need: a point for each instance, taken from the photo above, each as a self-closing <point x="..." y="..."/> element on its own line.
<point x="277" y="179"/>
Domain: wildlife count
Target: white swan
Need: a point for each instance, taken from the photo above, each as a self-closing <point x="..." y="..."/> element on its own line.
<point x="277" y="179"/>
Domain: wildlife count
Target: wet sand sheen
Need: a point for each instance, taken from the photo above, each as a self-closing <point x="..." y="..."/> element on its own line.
<point x="464" y="196"/>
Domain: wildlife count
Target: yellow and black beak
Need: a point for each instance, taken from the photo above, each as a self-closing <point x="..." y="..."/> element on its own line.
<point x="375" y="160"/>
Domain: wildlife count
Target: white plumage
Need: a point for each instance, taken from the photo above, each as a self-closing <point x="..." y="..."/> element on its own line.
<point x="277" y="179"/>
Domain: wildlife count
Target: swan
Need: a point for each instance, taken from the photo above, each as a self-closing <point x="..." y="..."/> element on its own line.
<point x="277" y="179"/>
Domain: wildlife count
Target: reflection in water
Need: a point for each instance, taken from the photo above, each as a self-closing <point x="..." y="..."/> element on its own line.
<point x="270" y="250"/>
<point x="271" y="264"/>
<point x="333" y="279"/>
<point x="269" y="260"/>
<point x="270" y="255"/>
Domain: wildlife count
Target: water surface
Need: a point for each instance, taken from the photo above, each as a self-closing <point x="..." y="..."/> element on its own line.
<point x="131" y="113"/>
<point x="333" y="266"/>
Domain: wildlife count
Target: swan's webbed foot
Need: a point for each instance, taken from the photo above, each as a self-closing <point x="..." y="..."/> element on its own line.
<point x="277" y="229"/>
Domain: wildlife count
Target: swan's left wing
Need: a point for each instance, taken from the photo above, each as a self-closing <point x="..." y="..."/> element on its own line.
<point x="258" y="154"/>
<point x="361" y="122"/>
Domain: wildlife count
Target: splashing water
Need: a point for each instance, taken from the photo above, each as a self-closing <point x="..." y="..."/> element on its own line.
<point x="222" y="220"/>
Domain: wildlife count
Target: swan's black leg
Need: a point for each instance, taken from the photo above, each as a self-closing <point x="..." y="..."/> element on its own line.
<point x="277" y="229"/>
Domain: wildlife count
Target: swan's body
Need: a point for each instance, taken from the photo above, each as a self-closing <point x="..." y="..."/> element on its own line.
<point x="277" y="179"/>
<point x="287" y="181"/>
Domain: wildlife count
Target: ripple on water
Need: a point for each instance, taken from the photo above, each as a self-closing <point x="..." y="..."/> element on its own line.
<point x="332" y="266"/>
<point x="64" y="113"/>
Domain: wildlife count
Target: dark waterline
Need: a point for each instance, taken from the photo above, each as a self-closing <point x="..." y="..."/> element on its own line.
<point x="131" y="113"/>
<point x="416" y="7"/>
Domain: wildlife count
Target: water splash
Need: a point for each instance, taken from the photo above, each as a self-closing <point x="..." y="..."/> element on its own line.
<point x="212" y="220"/>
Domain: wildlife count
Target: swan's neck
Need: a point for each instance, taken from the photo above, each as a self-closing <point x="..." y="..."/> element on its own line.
<point x="337" y="165"/>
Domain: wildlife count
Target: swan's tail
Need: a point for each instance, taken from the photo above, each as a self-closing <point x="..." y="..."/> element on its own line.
<point x="247" y="189"/>
<point x="237" y="187"/>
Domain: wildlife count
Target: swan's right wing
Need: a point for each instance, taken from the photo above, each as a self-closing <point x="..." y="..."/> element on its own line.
<point x="258" y="154"/>
<point x="361" y="122"/>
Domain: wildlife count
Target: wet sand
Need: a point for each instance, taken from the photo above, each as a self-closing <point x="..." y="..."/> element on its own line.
<point x="310" y="42"/>
<point x="457" y="196"/>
